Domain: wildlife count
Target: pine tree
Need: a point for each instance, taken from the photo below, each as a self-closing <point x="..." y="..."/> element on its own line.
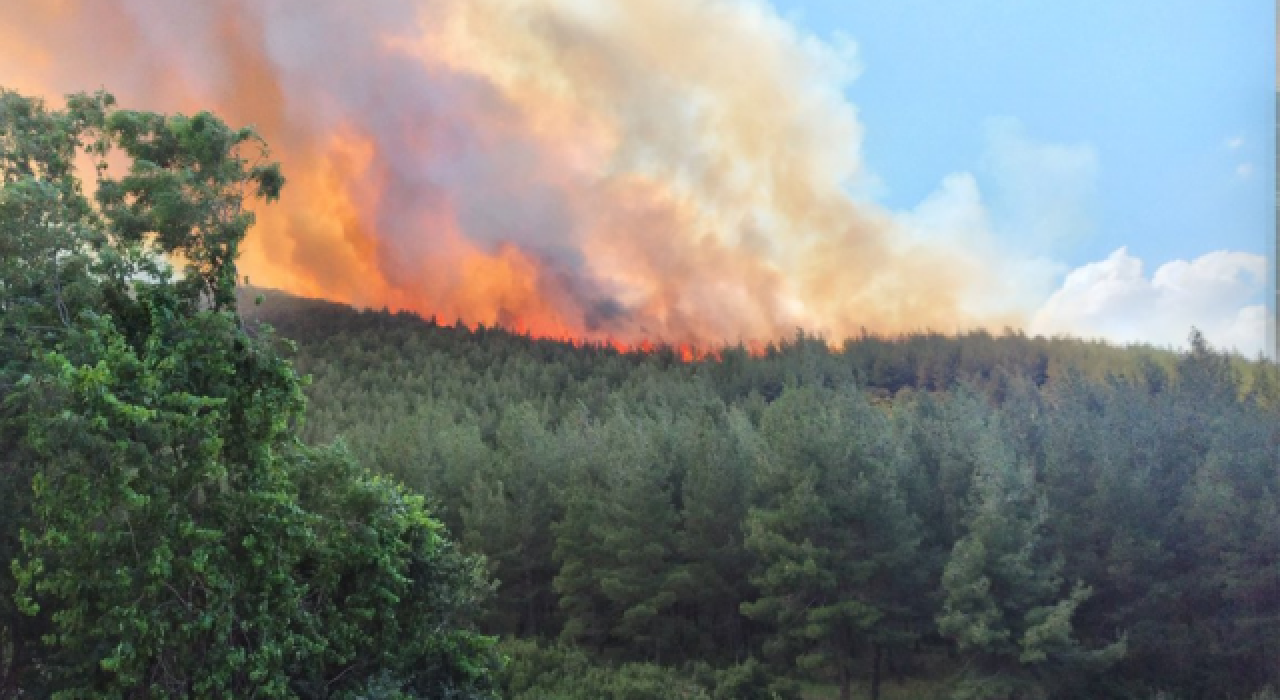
<point x="832" y="534"/>
<point x="1003" y="599"/>
<point x="713" y="580"/>
<point x="508" y="516"/>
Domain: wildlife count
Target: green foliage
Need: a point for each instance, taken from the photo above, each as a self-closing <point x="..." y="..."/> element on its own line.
<point x="1003" y="604"/>
<point x="749" y="680"/>
<point x="836" y="544"/>
<point x="620" y="513"/>
<point x="171" y="537"/>
<point x="534" y="672"/>
<point x="1060" y="495"/>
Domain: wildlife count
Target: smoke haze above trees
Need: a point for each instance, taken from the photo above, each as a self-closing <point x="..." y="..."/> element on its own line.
<point x="566" y="168"/>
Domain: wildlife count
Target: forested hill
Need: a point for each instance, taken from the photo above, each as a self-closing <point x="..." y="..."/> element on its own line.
<point x="980" y="516"/>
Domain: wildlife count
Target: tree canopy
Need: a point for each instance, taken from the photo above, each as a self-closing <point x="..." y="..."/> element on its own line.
<point x="170" y="535"/>
<point x="990" y="516"/>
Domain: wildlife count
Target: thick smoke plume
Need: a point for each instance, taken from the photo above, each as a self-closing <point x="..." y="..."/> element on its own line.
<point x="668" y="170"/>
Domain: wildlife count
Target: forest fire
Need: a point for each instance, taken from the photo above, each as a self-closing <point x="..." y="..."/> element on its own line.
<point x="582" y="356"/>
<point x="548" y="166"/>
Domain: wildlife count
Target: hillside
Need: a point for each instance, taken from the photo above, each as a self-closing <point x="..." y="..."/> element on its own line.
<point x="984" y="511"/>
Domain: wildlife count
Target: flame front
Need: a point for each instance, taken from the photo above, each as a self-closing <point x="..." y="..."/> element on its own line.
<point x="658" y="171"/>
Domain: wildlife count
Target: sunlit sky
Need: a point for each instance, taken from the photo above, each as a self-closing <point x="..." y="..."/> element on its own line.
<point x="1088" y="126"/>
<point x="1173" y="99"/>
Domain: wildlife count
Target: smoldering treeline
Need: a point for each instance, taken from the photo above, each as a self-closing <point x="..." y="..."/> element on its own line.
<point x="1001" y="513"/>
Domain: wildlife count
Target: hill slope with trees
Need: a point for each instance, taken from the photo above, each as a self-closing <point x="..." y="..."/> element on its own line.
<point x="1005" y="516"/>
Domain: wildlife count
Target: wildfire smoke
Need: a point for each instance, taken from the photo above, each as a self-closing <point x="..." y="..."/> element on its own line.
<point x="668" y="170"/>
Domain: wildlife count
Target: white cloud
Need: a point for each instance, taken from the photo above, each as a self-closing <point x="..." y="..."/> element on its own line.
<point x="1034" y="196"/>
<point x="1042" y="193"/>
<point x="1114" y="298"/>
<point x="1234" y="143"/>
<point x="1244" y="171"/>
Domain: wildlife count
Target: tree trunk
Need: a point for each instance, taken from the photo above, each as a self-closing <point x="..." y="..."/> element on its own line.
<point x="532" y="592"/>
<point x="846" y="684"/>
<point x="875" y="672"/>
<point x="892" y="666"/>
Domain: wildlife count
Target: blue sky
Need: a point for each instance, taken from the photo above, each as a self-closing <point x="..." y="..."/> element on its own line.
<point x="1173" y="98"/>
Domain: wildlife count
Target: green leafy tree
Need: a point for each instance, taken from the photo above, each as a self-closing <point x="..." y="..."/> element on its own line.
<point x="178" y="540"/>
<point x="46" y="232"/>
